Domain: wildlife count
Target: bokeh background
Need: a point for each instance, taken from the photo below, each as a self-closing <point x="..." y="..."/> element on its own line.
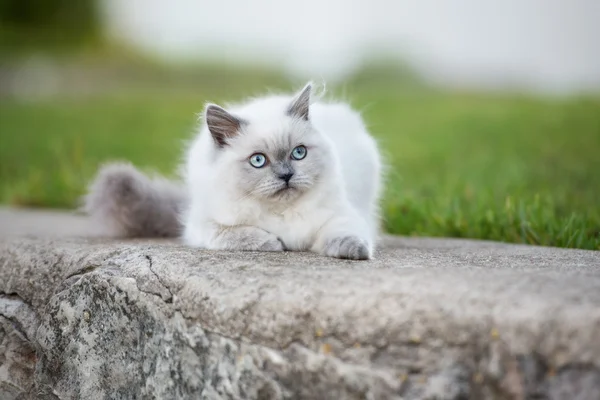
<point x="488" y="113"/>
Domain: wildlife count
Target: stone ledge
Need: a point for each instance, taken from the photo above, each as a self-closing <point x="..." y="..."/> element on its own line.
<point x="443" y="319"/>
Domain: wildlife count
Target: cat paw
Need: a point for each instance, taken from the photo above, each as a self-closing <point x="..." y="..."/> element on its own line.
<point x="347" y="247"/>
<point x="246" y="238"/>
<point x="272" y="244"/>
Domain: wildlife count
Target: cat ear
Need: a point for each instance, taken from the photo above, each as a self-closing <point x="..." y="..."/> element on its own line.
<point x="300" y="104"/>
<point x="221" y="124"/>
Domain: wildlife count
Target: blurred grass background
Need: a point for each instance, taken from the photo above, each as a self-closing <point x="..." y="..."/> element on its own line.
<point x="506" y="167"/>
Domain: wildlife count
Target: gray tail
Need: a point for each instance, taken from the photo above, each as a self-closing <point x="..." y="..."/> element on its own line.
<point x="129" y="203"/>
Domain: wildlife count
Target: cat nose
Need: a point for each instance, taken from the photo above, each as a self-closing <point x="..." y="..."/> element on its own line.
<point x="286" y="177"/>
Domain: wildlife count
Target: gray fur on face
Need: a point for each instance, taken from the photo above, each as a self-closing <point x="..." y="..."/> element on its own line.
<point x="134" y="205"/>
<point x="221" y="124"/>
<point x="266" y="182"/>
<point x="299" y="108"/>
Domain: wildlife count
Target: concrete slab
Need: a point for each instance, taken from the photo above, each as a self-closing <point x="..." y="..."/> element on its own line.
<point x="429" y="318"/>
<point x="47" y="223"/>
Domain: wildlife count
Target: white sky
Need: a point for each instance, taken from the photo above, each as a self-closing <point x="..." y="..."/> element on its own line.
<point x="552" y="45"/>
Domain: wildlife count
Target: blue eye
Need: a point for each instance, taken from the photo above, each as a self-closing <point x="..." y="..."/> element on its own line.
<point x="258" y="160"/>
<point x="299" y="153"/>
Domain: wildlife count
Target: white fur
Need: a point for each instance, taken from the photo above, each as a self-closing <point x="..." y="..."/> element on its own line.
<point x="343" y="202"/>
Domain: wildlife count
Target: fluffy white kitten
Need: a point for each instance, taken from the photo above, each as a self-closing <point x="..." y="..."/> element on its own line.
<point x="276" y="173"/>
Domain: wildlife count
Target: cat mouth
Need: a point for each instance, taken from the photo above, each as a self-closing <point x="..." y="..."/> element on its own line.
<point x="285" y="191"/>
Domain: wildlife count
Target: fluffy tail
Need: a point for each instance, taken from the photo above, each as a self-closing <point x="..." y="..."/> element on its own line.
<point x="132" y="204"/>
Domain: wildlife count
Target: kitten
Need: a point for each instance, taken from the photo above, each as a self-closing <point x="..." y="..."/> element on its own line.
<point x="276" y="173"/>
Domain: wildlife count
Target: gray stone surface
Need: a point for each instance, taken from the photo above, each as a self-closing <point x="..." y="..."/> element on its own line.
<point x="93" y="318"/>
<point x="19" y="222"/>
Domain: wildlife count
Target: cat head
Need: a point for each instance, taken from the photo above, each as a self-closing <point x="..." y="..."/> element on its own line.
<point x="270" y="150"/>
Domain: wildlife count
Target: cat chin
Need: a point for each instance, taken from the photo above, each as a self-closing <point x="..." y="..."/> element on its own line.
<point x="286" y="194"/>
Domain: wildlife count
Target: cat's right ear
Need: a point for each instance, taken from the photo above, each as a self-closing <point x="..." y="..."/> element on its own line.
<point x="221" y="124"/>
<point x="300" y="104"/>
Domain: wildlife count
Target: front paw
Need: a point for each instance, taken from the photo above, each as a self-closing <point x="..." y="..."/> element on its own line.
<point x="246" y="238"/>
<point x="348" y="247"/>
<point x="272" y="244"/>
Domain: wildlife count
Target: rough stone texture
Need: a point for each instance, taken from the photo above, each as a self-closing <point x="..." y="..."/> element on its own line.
<point x="96" y="318"/>
<point x="17" y="355"/>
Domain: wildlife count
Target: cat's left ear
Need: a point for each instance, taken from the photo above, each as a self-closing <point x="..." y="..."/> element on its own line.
<point x="221" y="124"/>
<point x="301" y="103"/>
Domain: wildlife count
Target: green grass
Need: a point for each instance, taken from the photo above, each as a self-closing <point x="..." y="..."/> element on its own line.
<point x="500" y="167"/>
